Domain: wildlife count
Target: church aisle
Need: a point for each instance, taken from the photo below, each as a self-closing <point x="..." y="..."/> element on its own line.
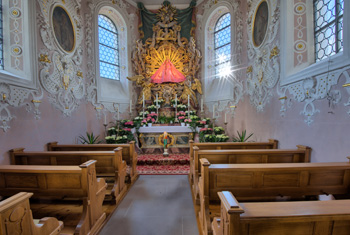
<point x="155" y="205"/>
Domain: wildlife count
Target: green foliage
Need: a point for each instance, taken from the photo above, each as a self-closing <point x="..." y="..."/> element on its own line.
<point x="165" y="120"/>
<point x="242" y="137"/>
<point x="89" y="139"/>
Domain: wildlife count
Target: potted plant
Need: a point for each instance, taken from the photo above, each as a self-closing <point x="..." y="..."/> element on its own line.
<point x="188" y="121"/>
<point x="152" y="108"/>
<point x="111" y="139"/>
<point x="242" y="137"/>
<point x="221" y="138"/>
<point x="218" y="130"/>
<point x="181" y="120"/>
<point x="144" y="122"/>
<point x="181" y="107"/>
<point x="90" y="139"/>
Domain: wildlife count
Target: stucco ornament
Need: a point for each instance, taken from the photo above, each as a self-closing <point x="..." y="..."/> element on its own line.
<point x="61" y="71"/>
<point x="263" y="52"/>
<point x="319" y="87"/>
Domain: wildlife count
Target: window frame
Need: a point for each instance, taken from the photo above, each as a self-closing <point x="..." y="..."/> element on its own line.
<point x="117" y="50"/>
<point x="27" y="77"/>
<point x="292" y="74"/>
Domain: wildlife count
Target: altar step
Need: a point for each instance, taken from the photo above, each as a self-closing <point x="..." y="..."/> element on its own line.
<point x="157" y="164"/>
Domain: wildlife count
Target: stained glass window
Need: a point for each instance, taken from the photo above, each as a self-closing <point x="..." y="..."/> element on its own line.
<point x="328" y="15"/>
<point x="222" y="46"/>
<point x="1" y="39"/>
<point x="108" y="48"/>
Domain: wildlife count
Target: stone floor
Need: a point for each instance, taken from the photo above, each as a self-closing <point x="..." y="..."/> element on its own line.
<point x="155" y="205"/>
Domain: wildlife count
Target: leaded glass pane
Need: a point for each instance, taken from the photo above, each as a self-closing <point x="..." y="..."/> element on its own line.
<point x="108" y="48"/>
<point x="328" y="27"/>
<point x="1" y="39"/>
<point x="222" y="46"/>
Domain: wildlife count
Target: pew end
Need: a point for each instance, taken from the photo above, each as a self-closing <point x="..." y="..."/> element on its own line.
<point x="16" y="215"/>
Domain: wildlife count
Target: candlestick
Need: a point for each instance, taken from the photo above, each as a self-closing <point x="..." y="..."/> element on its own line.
<point x="213" y="111"/>
<point x="143" y="100"/>
<point x="130" y="105"/>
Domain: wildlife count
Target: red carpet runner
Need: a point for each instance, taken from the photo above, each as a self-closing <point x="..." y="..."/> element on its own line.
<point x="156" y="164"/>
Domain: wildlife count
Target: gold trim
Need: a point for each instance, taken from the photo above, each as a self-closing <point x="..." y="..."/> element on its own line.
<point x="3" y="96"/>
<point x="274" y="52"/>
<point x="141" y="139"/>
<point x="233" y="106"/>
<point x="346" y="85"/>
<point x="98" y="108"/>
<point x="249" y="69"/>
<point x="74" y="31"/>
<point x="44" y="58"/>
<point x="161" y="137"/>
<point x="36" y="101"/>
<point x="283" y="98"/>
<point x="79" y="74"/>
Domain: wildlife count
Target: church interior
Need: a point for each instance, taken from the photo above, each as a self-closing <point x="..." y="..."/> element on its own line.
<point x="174" y="117"/>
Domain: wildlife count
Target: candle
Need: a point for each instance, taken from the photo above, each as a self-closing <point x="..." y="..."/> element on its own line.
<point x="202" y="105"/>
<point x="157" y="99"/>
<point x="225" y="117"/>
<point x="143" y="100"/>
<point x="105" y="120"/>
<point x="118" y="112"/>
<point x="130" y="105"/>
<point x="175" y="99"/>
<point x="188" y="101"/>
<point x="213" y="111"/>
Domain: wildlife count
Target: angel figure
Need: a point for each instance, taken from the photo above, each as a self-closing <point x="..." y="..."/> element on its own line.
<point x="187" y="91"/>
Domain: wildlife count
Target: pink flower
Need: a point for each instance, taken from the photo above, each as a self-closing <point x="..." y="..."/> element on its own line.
<point x="203" y="129"/>
<point x="181" y="117"/>
<point x="126" y="129"/>
<point x="188" y="120"/>
<point x="131" y="123"/>
<point x="181" y="113"/>
<point x="203" y="122"/>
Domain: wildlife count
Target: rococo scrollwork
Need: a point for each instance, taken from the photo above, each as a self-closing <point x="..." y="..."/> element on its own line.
<point x="166" y="63"/>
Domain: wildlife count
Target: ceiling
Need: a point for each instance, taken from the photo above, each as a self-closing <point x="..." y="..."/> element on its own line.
<point x="155" y="4"/>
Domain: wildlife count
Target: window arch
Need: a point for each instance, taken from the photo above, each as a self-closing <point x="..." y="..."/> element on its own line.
<point x="222" y="46"/>
<point x="108" y="48"/>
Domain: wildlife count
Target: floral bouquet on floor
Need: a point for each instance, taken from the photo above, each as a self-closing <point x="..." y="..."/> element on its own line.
<point x="112" y="131"/>
<point x="111" y="139"/>
<point x="125" y="131"/>
<point x="219" y="130"/>
<point x="221" y="138"/>
<point x="122" y="122"/>
<point x="194" y="118"/>
<point x="209" y="138"/>
<point x="122" y="139"/>
<point x="201" y="123"/>
<point x="205" y="130"/>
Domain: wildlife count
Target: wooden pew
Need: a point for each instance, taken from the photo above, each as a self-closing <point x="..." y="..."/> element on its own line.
<point x="16" y="218"/>
<point x="267" y="181"/>
<point x="239" y="156"/>
<point x="58" y="182"/>
<point x="275" y="218"/>
<point x="129" y="154"/>
<point x="271" y="144"/>
<point x="109" y="164"/>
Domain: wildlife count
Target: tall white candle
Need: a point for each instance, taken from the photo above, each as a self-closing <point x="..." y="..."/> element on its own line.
<point x="202" y="105"/>
<point x="143" y="100"/>
<point x="188" y="101"/>
<point x="225" y="117"/>
<point x="213" y="111"/>
<point x="157" y="99"/>
<point x="118" y="111"/>
<point x="105" y="119"/>
<point x="130" y="105"/>
<point x="175" y="99"/>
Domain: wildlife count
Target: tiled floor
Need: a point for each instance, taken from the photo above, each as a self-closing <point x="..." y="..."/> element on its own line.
<point x="155" y="205"/>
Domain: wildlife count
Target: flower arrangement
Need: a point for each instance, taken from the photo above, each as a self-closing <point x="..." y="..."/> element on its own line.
<point x="218" y="130"/>
<point x="194" y="117"/>
<point x="143" y="113"/>
<point x="181" y="107"/>
<point x="191" y="112"/>
<point x="129" y="124"/>
<point x="150" y="120"/>
<point x="125" y="131"/>
<point x="152" y="108"/>
<point x="181" y="118"/>
<point x="144" y="122"/>
<point x="121" y="139"/>
<point x="209" y="138"/>
<point x="112" y="131"/>
<point x="173" y="102"/>
<point x="188" y="121"/>
<point x="122" y="122"/>
<point x="160" y="101"/>
<point x="221" y="138"/>
<point x="181" y="113"/>
<point x="152" y="115"/>
<point x="206" y="130"/>
<point x="201" y="123"/>
<point x="206" y="120"/>
<point x="111" y="139"/>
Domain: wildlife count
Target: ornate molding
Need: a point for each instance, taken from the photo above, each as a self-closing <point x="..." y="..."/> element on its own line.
<point x="313" y="89"/>
<point x="264" y="70"/>
<point x="60" y="72"/>
<point x="13" y="96"/>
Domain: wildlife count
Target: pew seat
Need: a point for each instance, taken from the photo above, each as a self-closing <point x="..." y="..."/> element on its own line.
<point x="109" y="165"/>
<point x="276" y="218"/>
<point x="60" y="182"/>
<point x="129" y="154"/>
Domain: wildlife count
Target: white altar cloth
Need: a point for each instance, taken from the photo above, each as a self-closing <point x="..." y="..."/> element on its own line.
<point x="161" y="129"/>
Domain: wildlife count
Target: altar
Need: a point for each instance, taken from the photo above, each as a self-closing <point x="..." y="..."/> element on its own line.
<point x="153" y="137"/>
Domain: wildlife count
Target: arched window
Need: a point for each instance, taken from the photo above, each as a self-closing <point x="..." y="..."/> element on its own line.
<point x="328" y="27"/>
<point x="222" y="46"/>
<point x="108" y="48"/>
